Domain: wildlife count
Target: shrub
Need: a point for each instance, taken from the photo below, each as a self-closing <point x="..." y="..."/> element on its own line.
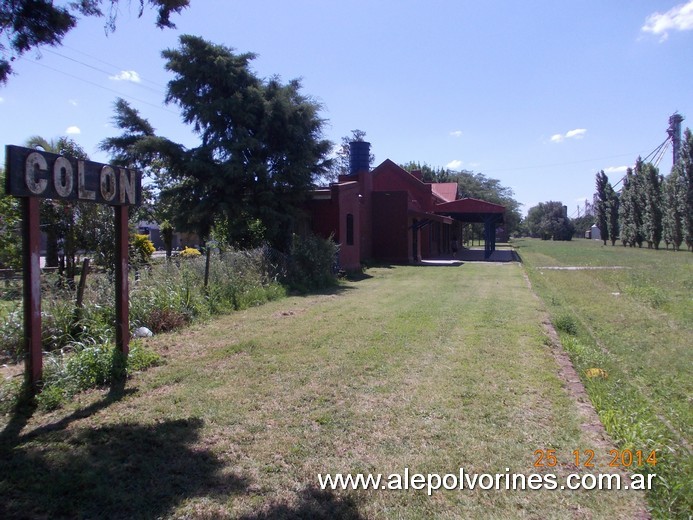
<point x="12" y="333"/>
<point x="96" y="365"/>
<point x="190" y="252"/>
<point x="164" y="320"/>
<point x="51" y="398"/>
<point x="142" y="249"/>
<point x="312" y="263"/>
<point x="141" y="358"/>
<point x="566" y="323"/>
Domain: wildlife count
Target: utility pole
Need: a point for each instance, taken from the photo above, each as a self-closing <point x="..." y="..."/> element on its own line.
<point x="674" y="132"/>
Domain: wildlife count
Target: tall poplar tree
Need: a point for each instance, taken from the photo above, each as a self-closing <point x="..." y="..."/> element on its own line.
<point x="652" y="210"/>
<point x="613" y="204"/>
<point x="630" y="211"/>
<point x="601" y="204"/>
<point x="686" y="162"/>
<point x="674" y="198"/>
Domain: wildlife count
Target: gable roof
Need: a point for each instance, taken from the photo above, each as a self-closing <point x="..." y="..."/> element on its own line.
<point x="389" y="176"/>
<point x="445" y="191"/>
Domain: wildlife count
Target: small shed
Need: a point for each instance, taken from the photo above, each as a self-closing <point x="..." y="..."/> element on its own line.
<point x="595" y="233"/>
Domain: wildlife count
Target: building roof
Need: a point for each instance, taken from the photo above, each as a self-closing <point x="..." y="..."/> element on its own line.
<point x="445" y="191"/>
<point x="469" y="205"/>
<point x="472" y="210"/>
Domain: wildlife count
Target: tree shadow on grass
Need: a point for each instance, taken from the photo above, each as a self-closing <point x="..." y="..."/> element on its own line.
<point x="313" y="504"/>
<point x="117" y="471"/>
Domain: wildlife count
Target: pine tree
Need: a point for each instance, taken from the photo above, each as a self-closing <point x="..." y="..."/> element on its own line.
<point x="261" y="146"/>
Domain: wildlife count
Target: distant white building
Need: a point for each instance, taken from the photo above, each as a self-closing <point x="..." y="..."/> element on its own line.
<point x="595" y="233"/>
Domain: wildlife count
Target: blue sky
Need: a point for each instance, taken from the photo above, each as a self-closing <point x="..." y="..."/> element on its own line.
<point x="538" y="94"/>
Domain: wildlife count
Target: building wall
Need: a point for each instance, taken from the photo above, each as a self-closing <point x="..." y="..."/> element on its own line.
<point x="391" y="237"/>
<point x="349" y="203"/>
<point x="323" y="218"/>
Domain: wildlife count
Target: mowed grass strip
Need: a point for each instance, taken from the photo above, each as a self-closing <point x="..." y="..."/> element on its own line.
<point x="635" y="321"/>
<point x="427" y="368"/>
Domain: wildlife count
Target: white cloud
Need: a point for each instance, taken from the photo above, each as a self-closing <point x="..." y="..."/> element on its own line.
<point x="73" y="130"/>
<point x="2" y="100"/>
<point x="678" y="18"/>
<point x="616" y="169"/>
<point x="453" y="165"/>
<point x="577" y="133"/>
<point x="126" y="75"/>
<point x="73" y="102"/>
<point x="456" y="133"/>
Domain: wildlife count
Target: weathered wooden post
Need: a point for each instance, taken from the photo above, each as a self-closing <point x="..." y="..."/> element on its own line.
<point x="31" y="175"/>
<point x="31" y="278"/>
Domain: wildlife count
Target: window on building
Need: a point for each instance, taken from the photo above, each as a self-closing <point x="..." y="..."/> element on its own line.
<point x="350" y="229"/>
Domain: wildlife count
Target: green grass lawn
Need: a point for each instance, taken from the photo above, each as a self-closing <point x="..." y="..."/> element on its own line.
<point x="432" y="369"/>
<point x="634" y="319"/>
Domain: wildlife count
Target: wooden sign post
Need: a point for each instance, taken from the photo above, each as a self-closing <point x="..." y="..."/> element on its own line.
<point x="31" y="174"/>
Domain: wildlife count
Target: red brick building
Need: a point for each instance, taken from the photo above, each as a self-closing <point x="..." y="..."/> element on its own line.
<point x="390" y="215"/>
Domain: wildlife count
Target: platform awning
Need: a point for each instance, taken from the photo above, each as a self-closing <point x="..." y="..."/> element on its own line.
<point x="431" y="217"/>
<point x="476" y="211"/>
<point x="472" y="210"/>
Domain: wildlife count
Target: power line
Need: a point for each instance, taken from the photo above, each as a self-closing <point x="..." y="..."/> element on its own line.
<point x="99" y="86"/>
<point x="582" y="161"/>
<point x="116" y="67"/>
<point x="103" y="71"/>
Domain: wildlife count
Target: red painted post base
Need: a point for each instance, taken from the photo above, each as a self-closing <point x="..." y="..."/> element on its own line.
<point x="121" y="280"/>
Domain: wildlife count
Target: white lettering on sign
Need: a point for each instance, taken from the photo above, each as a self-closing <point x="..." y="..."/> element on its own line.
<point x="51" y="176"/>
<point x="82" y="191"/>
<point x="62" y="177"/>
<point x="127" y="186"/>
<point x="35" y="164"/>
<point x="107" y="180"/>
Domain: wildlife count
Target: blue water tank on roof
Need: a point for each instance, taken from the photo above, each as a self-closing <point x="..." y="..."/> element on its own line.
<point x="359" y="155"/>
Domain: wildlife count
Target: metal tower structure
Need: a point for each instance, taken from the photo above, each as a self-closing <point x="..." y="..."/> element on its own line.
<point x="674" y="132"/>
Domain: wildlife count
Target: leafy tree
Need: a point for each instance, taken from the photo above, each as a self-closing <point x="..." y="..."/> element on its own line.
<point x="261" y="146"/>
<point x="477" y="186"/>
<point x="10" y="228"/>
<point x="166" y="230"/>
<point x="26" y="24"/>
<point x="430" y="174"/>
<point x="548" y="220"/>
<point x="584" y="221"/>
<point x="652" y="209"/>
